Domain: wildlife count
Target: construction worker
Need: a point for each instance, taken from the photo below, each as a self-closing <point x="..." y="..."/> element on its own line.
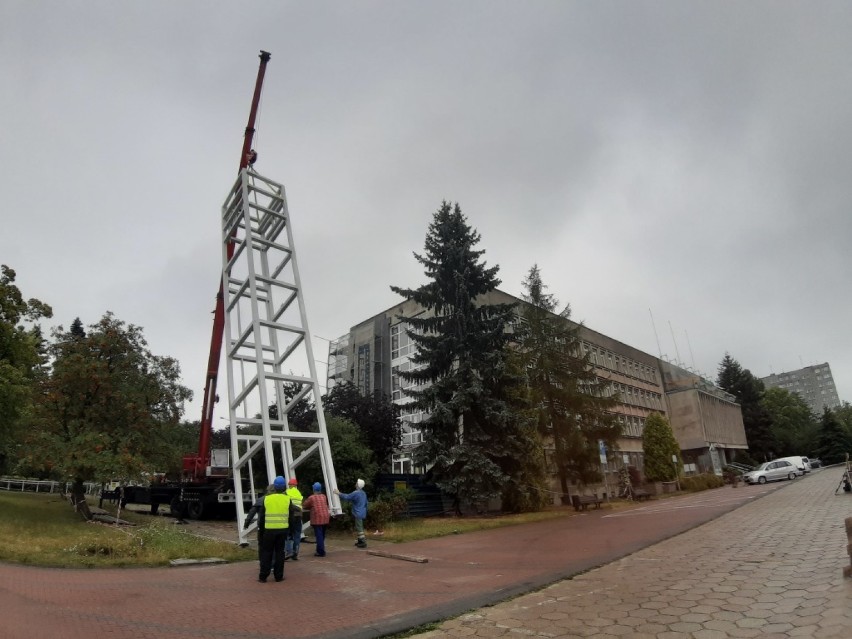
<point x="359" y="510"/>
<point x="317" y="504"/>
<point x="276" y="508"/>
<point x="294" y="539"/>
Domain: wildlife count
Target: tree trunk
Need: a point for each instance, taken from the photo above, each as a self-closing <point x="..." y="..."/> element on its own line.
<point x="78" y="498"/>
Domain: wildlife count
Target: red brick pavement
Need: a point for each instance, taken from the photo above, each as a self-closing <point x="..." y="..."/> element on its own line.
<point x="350" y="593"/>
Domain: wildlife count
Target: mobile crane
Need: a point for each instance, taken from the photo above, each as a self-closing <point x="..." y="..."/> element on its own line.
<point x="259" y="289"/>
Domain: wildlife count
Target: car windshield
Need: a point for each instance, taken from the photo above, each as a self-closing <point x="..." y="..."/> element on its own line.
<point x="763" y="466"/>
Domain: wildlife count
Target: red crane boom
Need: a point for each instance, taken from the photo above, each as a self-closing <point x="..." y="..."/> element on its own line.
<point x="195" y="466"/>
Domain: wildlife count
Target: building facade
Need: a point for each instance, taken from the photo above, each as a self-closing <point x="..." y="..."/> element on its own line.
<point x="706" y="422"/>
<point x="814" y="384"/>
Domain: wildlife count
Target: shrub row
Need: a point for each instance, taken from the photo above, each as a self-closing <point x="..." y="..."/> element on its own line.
<point x="701" y="482"/>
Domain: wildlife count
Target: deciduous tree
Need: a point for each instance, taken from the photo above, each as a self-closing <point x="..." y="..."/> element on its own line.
<point x="834" y="440"/>
<point x="794" y="427"/>
<point x="353" y="458"/>
<point x="375" y="416"/>
<point x="108" y="409"/>
<point x="22" y="357"/>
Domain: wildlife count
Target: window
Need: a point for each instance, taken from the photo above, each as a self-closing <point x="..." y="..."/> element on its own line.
<point x="401" y="343"/>
<point x="363" y="375"/>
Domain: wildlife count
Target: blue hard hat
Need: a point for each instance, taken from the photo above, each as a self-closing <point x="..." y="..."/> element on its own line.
<point x="280" y="482"/>
<point x="317" y="487"/>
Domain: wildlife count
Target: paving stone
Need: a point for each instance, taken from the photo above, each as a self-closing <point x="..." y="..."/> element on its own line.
<point x="735" y="576"/>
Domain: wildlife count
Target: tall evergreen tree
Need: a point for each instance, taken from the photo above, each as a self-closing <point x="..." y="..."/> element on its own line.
<point x="572" y="406"/>
<point x="77" y="329"/>
<point x="527" y="488"/>
<point x="470" y="436"/>
<point x="748" y="391"/>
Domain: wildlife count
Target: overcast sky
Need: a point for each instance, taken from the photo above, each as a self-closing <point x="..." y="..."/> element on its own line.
<point x="686" y="161"/>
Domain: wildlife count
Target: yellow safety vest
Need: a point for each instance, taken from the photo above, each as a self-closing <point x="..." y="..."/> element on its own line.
<point x="295" y="498"/>
<point x="277" y="508"/>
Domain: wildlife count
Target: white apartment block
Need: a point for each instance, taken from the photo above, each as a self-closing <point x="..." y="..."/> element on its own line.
<point x="814" y="384"/>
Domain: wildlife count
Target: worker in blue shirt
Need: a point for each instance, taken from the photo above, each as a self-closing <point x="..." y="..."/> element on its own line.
<point x="359" y="510"/>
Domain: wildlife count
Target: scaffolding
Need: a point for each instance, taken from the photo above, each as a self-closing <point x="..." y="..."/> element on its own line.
<point x="266" y="339"/>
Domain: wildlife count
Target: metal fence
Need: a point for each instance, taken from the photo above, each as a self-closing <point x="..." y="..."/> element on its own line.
<point x="44" y="486"/>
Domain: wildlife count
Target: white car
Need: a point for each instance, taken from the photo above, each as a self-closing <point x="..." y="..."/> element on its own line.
<point x="801" y="463"/>
<point x="771" y="471"/>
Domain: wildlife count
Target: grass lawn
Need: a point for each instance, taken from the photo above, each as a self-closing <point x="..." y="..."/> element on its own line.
<point x="428" y="527"/>
<point x="44" y="530"/>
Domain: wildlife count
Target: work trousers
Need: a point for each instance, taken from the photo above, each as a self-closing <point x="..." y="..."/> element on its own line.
<point x="272" y="557"/>
<point x="319" y="533"/>
<point x="294" y="539"/>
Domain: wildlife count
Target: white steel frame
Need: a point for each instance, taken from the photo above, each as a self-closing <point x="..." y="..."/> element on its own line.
<point x="266" y="333"/>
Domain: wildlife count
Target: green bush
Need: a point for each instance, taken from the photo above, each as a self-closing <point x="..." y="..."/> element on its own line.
<point x="697" y="483"/>
<point x="388" y="507"/>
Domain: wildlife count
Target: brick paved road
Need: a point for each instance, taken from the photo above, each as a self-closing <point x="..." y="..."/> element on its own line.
<point x="353" y="594"/>
<point x="770" y="569"/>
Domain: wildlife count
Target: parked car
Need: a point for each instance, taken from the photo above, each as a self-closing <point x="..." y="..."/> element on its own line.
<point x="815" y="463"/>
<point x="801" y="463"/>
<point x="772" y="471"/>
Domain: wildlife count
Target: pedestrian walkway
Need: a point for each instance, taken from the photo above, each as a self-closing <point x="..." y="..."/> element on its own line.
<point x="772" y="568"/>
<point x="768" y="563"/>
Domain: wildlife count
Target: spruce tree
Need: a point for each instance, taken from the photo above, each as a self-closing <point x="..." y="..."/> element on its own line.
<point x="470" y="435"/>
<point x="748" y="391"/>
<point x="572" y="406"/>
<point x="77" y="329"/>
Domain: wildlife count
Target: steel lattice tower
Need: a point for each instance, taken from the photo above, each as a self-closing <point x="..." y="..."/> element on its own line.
<point x="266" y="339"/>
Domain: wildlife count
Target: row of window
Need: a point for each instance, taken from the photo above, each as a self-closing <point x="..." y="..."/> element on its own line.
<point x="603" y="358"/>
<point x="631" y="425"/>
<point x="401" y="344"/>
<point x="362" y="371"/>
<point x="398" y="384"/>
<point x="636" y="396"/>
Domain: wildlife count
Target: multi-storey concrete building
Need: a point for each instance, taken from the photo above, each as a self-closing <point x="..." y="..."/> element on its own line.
<point x="706" y="421"/>
<point x="814" y="384"/>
